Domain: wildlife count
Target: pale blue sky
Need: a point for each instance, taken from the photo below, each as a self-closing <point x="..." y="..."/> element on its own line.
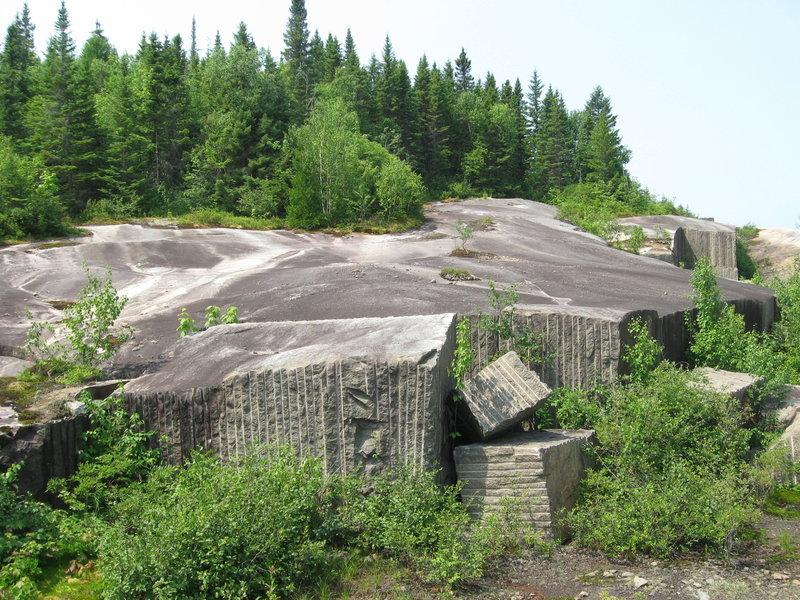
<point x="706" y="91"/>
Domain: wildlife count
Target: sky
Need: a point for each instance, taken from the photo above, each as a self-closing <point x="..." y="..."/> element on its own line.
<point x="706" y="91"/>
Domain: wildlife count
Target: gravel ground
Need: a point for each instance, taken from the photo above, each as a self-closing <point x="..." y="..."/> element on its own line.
<point x="757" y="571"/>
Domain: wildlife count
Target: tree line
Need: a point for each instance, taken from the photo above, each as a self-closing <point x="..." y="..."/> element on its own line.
<point x="314" y="137"/>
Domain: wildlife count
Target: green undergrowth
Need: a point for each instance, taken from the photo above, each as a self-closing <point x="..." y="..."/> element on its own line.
<point x="784" y="502"/>
<point x="456" y="274"/>
<point x="19" y="392"/>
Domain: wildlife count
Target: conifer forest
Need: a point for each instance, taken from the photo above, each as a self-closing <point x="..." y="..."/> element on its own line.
<point x="316" y="137"/>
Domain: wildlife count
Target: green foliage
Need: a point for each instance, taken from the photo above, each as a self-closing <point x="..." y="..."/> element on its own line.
<point x="209" y="217"/>
<point x="529" y="345"/>
<point x="213" y="316"/>
<point x="28" y="534"/>
<point x="340" y="175"/>
<point x="115" y="453"/>
<point x="644" y="354"/>
<point x="185" y="323"/>
<point x="502" y="302"/>
<point x="578" y="409"/>
<point x="786" y="332"/>
<point x="28" y="202"/>
<point x="636" y="240"/>
<point x="744" y="262"/>
<point x="784" y="501"/>
<point x="88" y="333"/>
<point x="255" y="528"/>
<point x="455" y="274"/>
<point x="463" y="356"/>
<point x="671" y="472"/>
<point x="465" y="232"/>
<point x="719" y="337"/>
<point x="409" y="516"/>
<point x="591" y="207"/>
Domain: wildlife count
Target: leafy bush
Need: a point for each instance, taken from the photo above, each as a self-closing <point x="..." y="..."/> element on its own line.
<point x="719" y="338"/>
<point x="744" y="262"/>
<point x="786" y="332"/>
<point x="644" y="354"/>
<point x="213" y="317"/>
<point x="252" y="529"/>
<point x="408" y="515"/>
<point x="28" y="533"/>
<point x="88" y="330"/>
<point x="671" y="471"/>
<point x="28" y="197"/>
<point x="115" y="453"/>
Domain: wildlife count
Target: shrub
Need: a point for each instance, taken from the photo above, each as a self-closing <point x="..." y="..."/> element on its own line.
<point x="88" y="331"/>
<point x="786" y="332"/>
<point x="246" y="530"/>
<point x="719" y="338"/>
<point x="644" y="354"/>
<point x="465" y="232"/>
<point x="463" y="356"/>
<point x="671" y="472"/>
<point x="28" y="532"/>
<point x="409" y="516"/>
<point x="116" y="452"/>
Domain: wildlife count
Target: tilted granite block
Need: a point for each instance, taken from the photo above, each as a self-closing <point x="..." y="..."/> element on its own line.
<point x="503" y="394"/>
<point x="535" y="472"/>
<point x="361" y="394"/>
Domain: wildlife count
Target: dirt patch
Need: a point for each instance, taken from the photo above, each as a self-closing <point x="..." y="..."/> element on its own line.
<point x="464" y="253"/>
<point x="757" y="571"/>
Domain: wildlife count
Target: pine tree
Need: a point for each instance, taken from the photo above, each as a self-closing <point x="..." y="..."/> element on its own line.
<point x="296" y="56"/>
<point x="243" y="38"/>
<point x="333" y="58"/>
<point x="194" y="56"/>
<point x="463" y="73"/>
<point x="551" y="163"/>
<point x="600" y="155"/>
<point x="351" y="61"/>
<point x="534" y="106"/>
<point x="17" y="63"/>
<point x="393" y="96"/>
<point x="316" y="62"/>
<point x="61" y="118"/>
<point x="245" y="118"/>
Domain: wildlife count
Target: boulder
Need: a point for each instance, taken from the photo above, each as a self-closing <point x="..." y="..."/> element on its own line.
<point x="503" y="394"/>
<point x="533" y="472"/>
<point x="359" y="393"/>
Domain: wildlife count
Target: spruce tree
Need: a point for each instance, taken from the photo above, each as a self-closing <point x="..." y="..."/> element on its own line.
<point x="62" y="122"/>
<point x="333" y="58"/>
<point x="194" y="56"/>
<point x="600" y="155"/>
<point x="463" y="73"/>
<point x="316" y="62"/>
<point x="551" y="163"/>
<point x="17" y="63"/>
<point x="296" y="56"/>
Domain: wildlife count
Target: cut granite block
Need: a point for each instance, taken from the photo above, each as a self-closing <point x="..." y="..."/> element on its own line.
<point x="503" y="394"/>
<point x="364" y="395"/>
<point x="536" y="471"/>
<point x="728" y="382"/>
